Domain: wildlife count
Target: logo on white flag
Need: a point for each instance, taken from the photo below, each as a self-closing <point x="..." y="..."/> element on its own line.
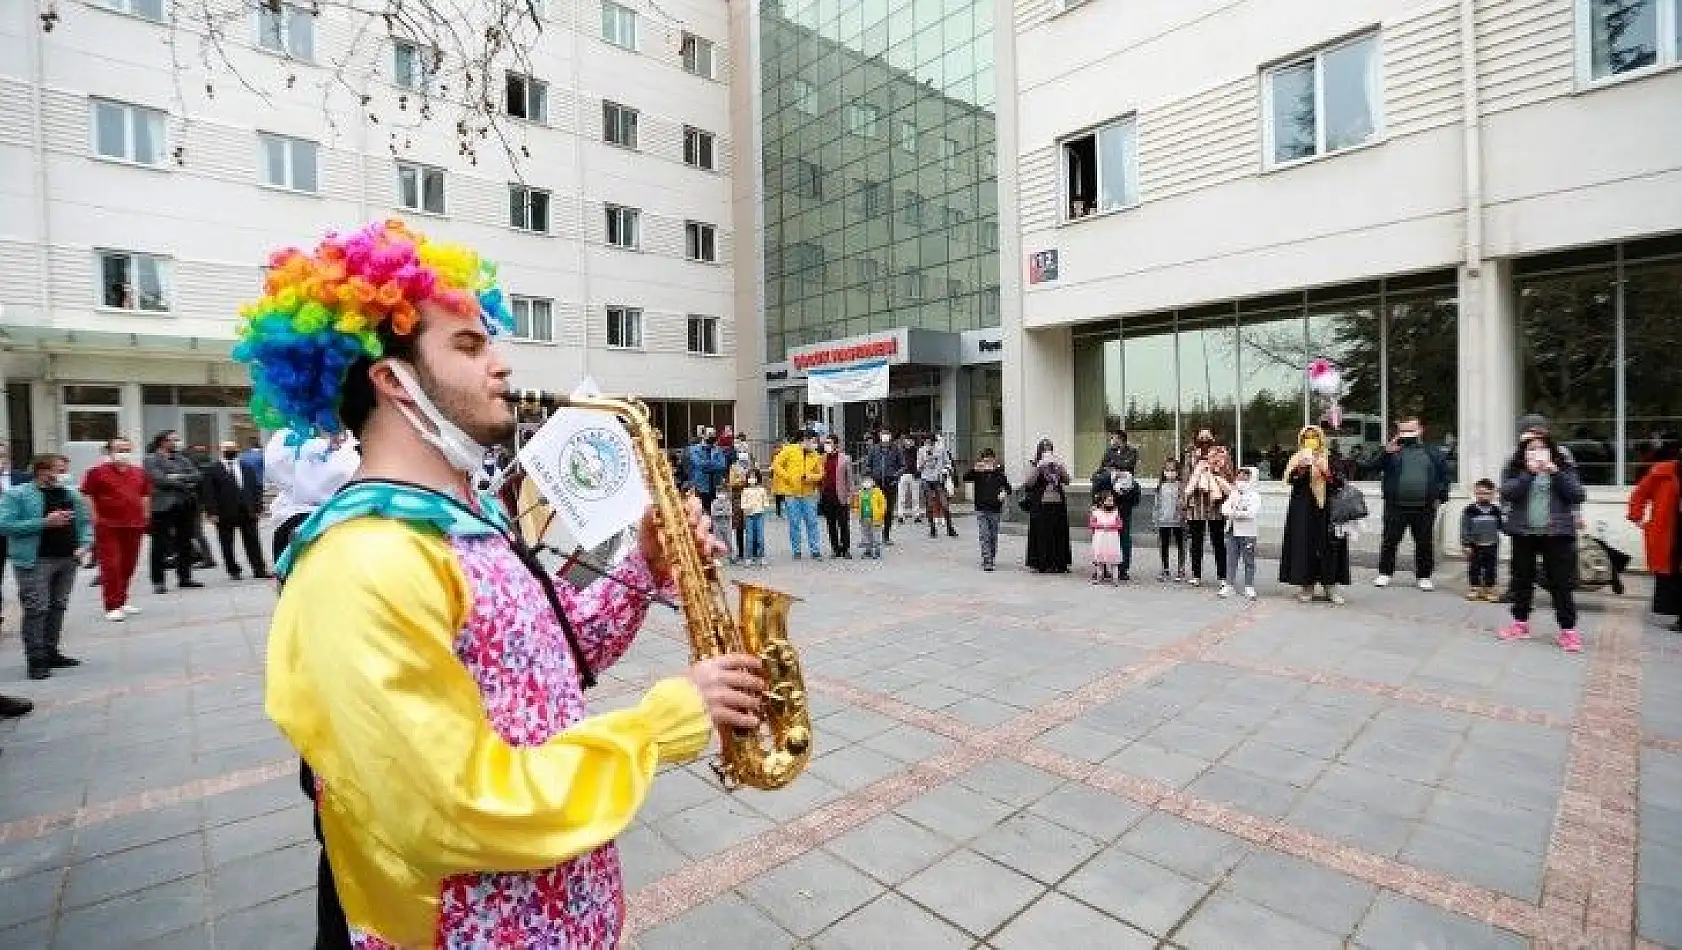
<point x="583" y="463"/>
<point x="594" y="463"/>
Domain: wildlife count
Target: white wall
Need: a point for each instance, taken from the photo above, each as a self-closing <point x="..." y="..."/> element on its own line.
<point x="217" y="223"/>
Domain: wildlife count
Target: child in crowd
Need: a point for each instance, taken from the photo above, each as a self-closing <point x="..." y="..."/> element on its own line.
<point x="992" y="490"/>
<point x="1127" y="493"/>
<point x="1242" y="511"/>
<point x="872" y="505"/>
<point x="1481" y="525"/>
<point x="1105" y="523"/>
<point x="722" y="514"/>
<point x="1170" y="520"/>
<point x="755" y="501"/>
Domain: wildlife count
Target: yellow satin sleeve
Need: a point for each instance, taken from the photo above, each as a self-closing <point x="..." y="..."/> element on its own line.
<point x="363" y="679"/>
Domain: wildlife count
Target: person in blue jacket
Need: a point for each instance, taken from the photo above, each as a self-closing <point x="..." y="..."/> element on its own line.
<point x="707" y="466"/>
<point x="48" y="525"/>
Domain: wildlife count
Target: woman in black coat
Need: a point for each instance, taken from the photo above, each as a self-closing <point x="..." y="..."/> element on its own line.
<point x="1048" y="521"/>
<point x="1312" y="552"/>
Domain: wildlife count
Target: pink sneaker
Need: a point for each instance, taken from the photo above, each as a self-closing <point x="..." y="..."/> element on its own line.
<point x="1570" y="641"/>
<point x="1517" y="630"/>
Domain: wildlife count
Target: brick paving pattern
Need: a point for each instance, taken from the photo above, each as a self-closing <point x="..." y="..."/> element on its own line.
<point x="1005" y="761"/>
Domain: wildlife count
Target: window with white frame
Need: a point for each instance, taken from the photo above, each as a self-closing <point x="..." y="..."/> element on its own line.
<point x="805" y="96"/>
<point x="949" y="154"/>
<point x="287" y="162"/>
<point x="528" y="208"/>
<point x="619" y="125"/>
<point x="132" y="281"/>
<point x="413" y="66"/>
<point x="697" y="55"/>
<point x="623" y="226"/>
<point x="1101" y="170"/>
<point x="1329" y="100"/>
<point x="149" y="9"/>
<point x="698" y="148"/>
<point x="420" y="188"/>
<point x="700" y="241"/>
<point x="534" y="318"/>
<point x="526" y="98"/>
<point x="864" y="119"/>
<point x="908" y="136"/>
<point x="1622" y="36"/>
<point x="619" y="25"/>
<point x="624" y="328"/>
<point x="287" y="30"/>
<point x="703" y="335"/>
<point x="127" y="133"/>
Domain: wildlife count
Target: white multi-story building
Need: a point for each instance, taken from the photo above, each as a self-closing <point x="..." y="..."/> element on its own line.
<point x="141" y="190"/>
<point x="1473" y="207"/>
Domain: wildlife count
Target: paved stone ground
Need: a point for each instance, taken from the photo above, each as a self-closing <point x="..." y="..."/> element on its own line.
<point x="1008" y="761"/>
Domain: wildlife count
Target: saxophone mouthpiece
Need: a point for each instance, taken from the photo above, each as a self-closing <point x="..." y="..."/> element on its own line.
<point x="532" y="398"/>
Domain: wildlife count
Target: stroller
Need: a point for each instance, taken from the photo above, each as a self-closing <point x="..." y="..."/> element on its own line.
<point x="1598" y="565"/>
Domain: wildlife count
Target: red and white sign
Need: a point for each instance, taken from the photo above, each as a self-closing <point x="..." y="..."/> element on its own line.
<point x="892" y="346"/>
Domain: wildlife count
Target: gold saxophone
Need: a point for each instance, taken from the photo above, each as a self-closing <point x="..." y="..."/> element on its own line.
<point x="765" y="758"/>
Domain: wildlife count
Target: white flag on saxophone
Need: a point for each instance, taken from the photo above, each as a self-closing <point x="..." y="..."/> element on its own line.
<point x="583" y="463"/>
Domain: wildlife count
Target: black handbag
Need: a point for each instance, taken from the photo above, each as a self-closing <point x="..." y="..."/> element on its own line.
<point x="1347" y="504"/>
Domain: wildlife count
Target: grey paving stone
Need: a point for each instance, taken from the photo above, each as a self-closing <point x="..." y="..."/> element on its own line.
<point x="890" y="922"/>
<point x="97" y="879"/>
<point x="1082" y="742"/>
<point x="1127" y="887"/>
<point x="1658" y="913"/>
<point x="1503" y="823"/>
<point x="1380" y="832"/>
<point x="1317" y="896"/>
<point x="854" y="766"/>
<point x="1057" y="921"/>
<point x="810" y="893"/>
<point x="258" y="835"/>
<point x="1193" y="850"/>
<point x="971" y="891"/>
<point x="250" y="882"/>
<point x="1276" y="762"/>
<point x="890" y="848"/>
<point x="29" y="896"/>
<point x="1226" y="920"/>
<point x="646" y="857"/>
<point x="791" y="801"/>
<point x="1010" y="782"/>
<point x="287" y="922"/>
<point x="192" y="938"/>
<point x="129" y="831"/>
<point x="135" y="917"/>
<point x="675" y="790"/>
<point x="1147" y="760"/>
<point x="280" y="794"/>
<point x="31" y="855"/>
<point x="1245" y="791"/>
<point x="1377" y="789"/>
<point x="955" y="811"/>
<point x="908" y="743"/>
<point x="1402" y="923"/>
<point x="1476" y="860"/>
<point x="705" y="830"/>
<point x="1036" y="847"/>
<point x="854" y="725"/>
<point x="1093" y="813"/>
<point x="35" y="935"/>
<point x="982" y="712"/>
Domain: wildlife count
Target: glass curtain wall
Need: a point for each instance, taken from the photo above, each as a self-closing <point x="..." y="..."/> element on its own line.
<point x="1599" y="331"/>
<point x="880" y="172"/>
<point x="1240" y="369"/>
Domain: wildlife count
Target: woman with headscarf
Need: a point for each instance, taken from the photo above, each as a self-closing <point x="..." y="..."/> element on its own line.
<point x="1312" y="552"/>
<point x="1048" y="519"/>
<point x="1653" y="506"/>
<point x="1208" y="480"/>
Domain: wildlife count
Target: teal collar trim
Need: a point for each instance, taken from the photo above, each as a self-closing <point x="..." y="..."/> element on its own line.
<point x="424" y="508"/>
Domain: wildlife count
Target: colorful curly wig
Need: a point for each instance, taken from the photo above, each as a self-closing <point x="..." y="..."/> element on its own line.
<point x="321" y="312"/>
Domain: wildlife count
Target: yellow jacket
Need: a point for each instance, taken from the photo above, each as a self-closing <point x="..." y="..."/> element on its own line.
<point x="796" y="472"/>
<point x="878" y="504"/>
<point x="364" y="681"/>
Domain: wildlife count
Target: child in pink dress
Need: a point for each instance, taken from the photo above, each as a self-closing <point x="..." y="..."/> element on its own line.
<point x="1105" y="523"/>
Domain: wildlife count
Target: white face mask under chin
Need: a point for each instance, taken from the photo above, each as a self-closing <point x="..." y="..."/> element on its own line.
<point x="459" y="449"/>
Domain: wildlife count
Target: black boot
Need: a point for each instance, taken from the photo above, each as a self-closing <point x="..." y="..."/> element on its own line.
<point x="59" y="661"/>
<point x="11" y="707"/>
<point x="39" y="671"/>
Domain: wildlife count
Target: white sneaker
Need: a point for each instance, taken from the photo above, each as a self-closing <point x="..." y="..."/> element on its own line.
<point x="116" y="615"/>
<point x="1195" y="581"/>
<point x="1225" y="591"/>
<point x="1425" y="584"/>
<point x="1382" y="580"/>
<point x="1249" y="593"/>
<point x="130" y="609"/>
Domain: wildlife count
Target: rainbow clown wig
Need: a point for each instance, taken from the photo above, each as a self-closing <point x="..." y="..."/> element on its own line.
<point x="321" y="312"/>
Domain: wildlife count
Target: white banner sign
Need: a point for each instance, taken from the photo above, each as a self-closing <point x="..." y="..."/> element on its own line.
<point x="861" y="382"/>
<point x="583" y="464"/>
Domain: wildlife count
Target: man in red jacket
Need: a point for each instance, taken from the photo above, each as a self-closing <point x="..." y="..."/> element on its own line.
<point x="119" y="492"/>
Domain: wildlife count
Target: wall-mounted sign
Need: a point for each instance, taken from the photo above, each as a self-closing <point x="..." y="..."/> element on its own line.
<point x="1042" y="267"/>
<point x="847" y="353"/>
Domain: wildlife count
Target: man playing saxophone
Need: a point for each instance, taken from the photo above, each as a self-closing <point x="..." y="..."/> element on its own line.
<point x="426" y="670"/>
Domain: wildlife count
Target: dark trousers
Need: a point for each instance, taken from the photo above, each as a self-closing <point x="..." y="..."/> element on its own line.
<point x="1558" y="553"/>
<point x="1175" y="537"/>
<point x="1415" y="521"/>
<point x="247" y="528"/>
<point x="172" y="534"/>
<point x="44" y="588"/>
<point x="1215" y="529"/>
<point x="1480" y="567"/>
<point x="283" y="535"/>
<point x="890" y="491"/>
<point x="840" y="528"/>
